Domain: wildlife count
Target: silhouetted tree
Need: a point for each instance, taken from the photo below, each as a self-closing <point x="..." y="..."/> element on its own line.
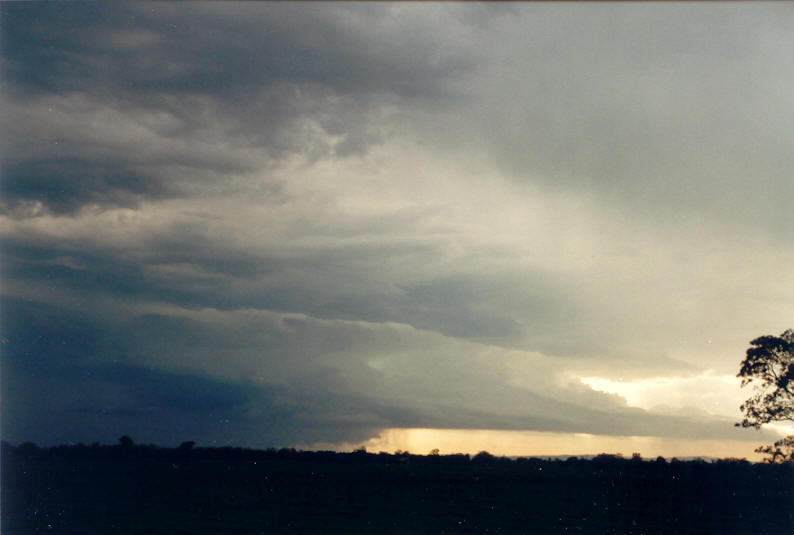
<point x="126" y="442"/>
<point x="483" y="457"/>
<point x="187" y="446"/>
<point x="769" y="367"/>
<point x="779" y="452"/>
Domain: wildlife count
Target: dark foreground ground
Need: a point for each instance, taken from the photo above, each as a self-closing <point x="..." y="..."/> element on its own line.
<point x="147" y="490"/>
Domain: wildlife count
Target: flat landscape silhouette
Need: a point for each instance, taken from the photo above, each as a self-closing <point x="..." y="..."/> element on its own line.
<point x="141" y="489"/>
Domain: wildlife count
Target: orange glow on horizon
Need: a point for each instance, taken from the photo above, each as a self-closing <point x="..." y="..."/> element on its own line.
<point x="534" y="443"/>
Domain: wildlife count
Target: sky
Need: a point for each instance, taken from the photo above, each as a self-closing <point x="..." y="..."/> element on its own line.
<point x="531" y="228"/>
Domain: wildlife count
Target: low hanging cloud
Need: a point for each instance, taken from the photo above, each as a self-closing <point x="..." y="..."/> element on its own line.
<point x="312" y="379"/>
<point x="320" y="223"/>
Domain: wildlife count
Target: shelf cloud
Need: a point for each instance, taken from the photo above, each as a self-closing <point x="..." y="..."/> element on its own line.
<point x="279" y="224"/>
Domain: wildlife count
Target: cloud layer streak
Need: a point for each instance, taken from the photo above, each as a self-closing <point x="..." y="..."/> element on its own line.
<point x="278" y="224"/>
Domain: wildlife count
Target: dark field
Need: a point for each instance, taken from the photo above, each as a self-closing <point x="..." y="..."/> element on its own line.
<point x="143" y="489"/>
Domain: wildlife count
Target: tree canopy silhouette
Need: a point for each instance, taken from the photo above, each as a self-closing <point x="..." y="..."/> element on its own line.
<point x="769" y="368"/>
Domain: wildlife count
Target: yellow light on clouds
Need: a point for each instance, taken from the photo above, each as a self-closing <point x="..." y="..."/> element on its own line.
<point x="716" y="394"/>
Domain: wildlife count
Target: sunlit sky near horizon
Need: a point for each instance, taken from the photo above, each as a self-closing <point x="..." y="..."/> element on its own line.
<point x="527" y="228"/>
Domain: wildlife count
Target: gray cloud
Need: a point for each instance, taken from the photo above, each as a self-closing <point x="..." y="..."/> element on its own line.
<point x="668" y="112"/>
<point x="277" y="378"/>
<point x="63" y="185"/>
<point x="134" y="93"/>
<point x="143" y="50"/>
<point x="352" y="217"/>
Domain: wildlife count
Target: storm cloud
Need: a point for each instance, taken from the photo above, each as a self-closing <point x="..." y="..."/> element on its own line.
<point x="288" y="223"/>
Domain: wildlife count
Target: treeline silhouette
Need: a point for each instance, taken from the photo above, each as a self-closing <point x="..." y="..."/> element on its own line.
<point x="144" y="489"/>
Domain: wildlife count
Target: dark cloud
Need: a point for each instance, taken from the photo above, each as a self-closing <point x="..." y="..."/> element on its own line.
<point x="184" y="268"/>
<point x="43" y="45"/>
<point x="269" y="380"/>
<point x="62" y="381"/>
<point x="204" y="50"/>
<point x="272" y="82"/>
<point x="71" y="377"/>
<point x="66" y="185"/>
<point x="276" y="223"/>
